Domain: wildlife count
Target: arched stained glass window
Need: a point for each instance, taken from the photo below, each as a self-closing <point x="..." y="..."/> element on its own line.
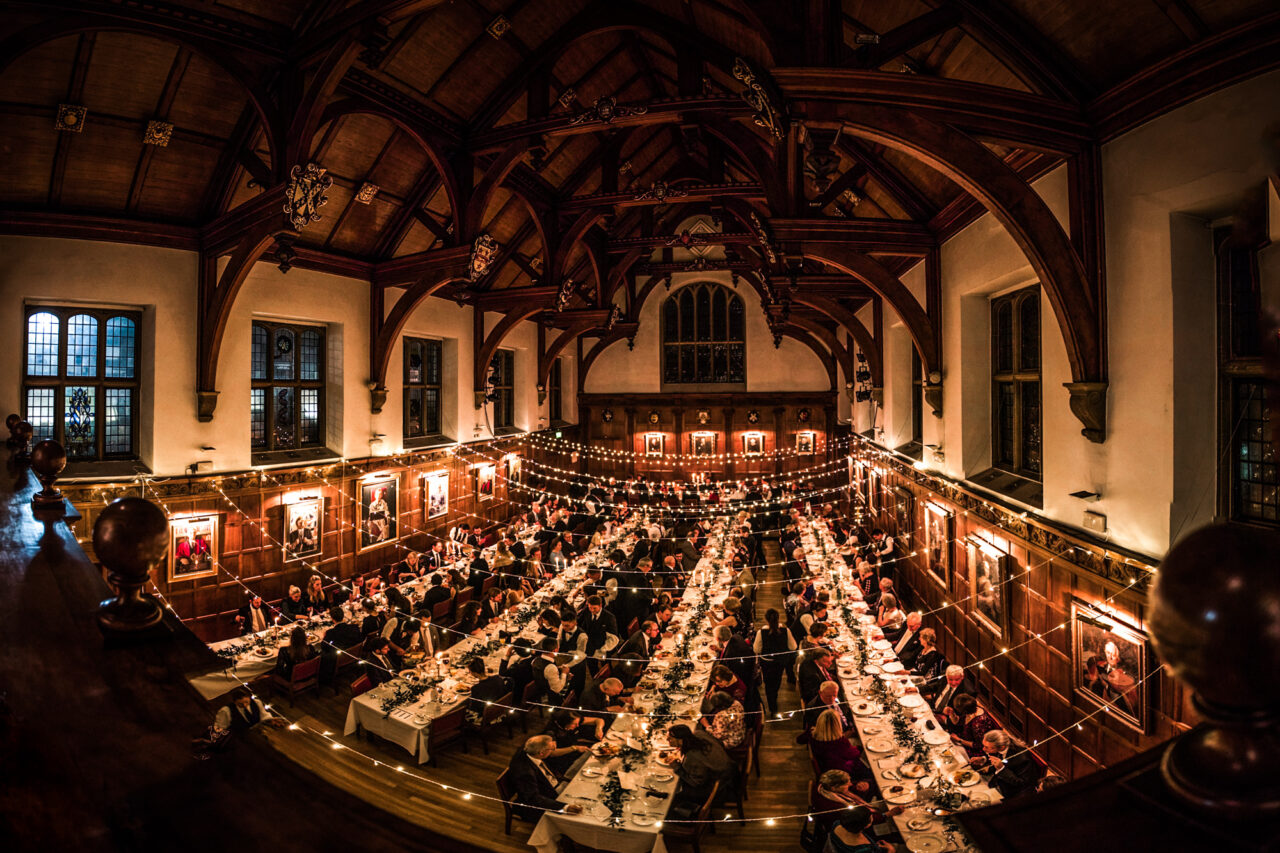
<point x="121" y="347"/>
<point x="286" y="402"/>
<point x="42" y="344"/>
<point x="82" y="345"/>
<point x="704" y="336"/>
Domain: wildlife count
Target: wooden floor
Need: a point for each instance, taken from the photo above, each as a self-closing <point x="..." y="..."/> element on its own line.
<point x="780" y="790"/>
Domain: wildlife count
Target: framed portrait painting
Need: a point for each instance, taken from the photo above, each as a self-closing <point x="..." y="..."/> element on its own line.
<point x="303" y="529"/>
<point x="193" y="547"/>
<point x="989" y="570"/>
<point x="904" y="517"/>
<point x="485" y="477"/>
<point x="379" y="512"/>
<point x="704" y="443"/>
<point x="938" y="525"/>
<point x="753" y="444"/>
<point x="804" y="443"/>
<point x="515" y="467"/>
<point x="873" y="493"/>
<point x="1111" y="660"/>
<point x="436" y="489"/>
<point x="654" y="444"/>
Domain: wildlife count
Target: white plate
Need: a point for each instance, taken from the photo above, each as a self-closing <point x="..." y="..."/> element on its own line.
<point x="882" y="645"/>
<point x="978" y="799"/>
<point x="646" y="820"/>
<point x="900" y="798"/>
<point x="920" y="824"/>
<point x="936" y="737"/>
<point x="913" y="771"/>
<point x="871" y="669"/>
<point x="881" y="744"/>
<point x="893" y="666"/>
<point x="925" y="843"/>
<point x="592" y="772"/>
<point x="911" y="700"/>
<point x="973" y="778"/>
<point x="866" y="709"/>
<point x="659" y="778"/>
<point x="872" y="730"/>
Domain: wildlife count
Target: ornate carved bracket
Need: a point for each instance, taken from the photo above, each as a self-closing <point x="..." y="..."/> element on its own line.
<point x="305" y="194"/>
<point x="377" y="399"/>
<point x="768" y="114"/>
<point x="206" y="402"/>
<point x="1089" y="405"/>
<point x="605" y="110"/>
<point x="933" y="396"/>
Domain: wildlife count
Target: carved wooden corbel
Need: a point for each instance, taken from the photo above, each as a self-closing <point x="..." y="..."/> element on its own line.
<point x="933" y="396"/>
<point x="1089" y="405"/>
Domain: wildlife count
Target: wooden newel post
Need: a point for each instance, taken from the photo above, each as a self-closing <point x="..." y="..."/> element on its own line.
<point x="47" y="461"/>
<point x="1216" y="625"/>
<point x="20" y="440"/>
<point x="130" y="539"/>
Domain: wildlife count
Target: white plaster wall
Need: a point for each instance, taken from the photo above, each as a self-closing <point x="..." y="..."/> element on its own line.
<point x="791" y="367"/>
<point x="162" y="284"/>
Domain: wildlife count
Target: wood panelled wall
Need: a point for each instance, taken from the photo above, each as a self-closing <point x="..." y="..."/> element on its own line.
<point x="621" y="422"/>
<point x="252" y="556"/>
<point x="1029" y="689"/>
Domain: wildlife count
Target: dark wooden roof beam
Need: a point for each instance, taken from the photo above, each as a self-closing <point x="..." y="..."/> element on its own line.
<point x="907" y="37"/>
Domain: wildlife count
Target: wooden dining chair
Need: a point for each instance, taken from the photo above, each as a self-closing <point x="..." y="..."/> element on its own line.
<point x="362" y="684"/>
<point x="445" y="729"/>
<point x="507" y="795"/>
<point x="305" y="676"/>
<point x="499" y="711"/>
<point x="697" y="827"/>
<point x="347" y="657"/>
<point x="440" y="612"/>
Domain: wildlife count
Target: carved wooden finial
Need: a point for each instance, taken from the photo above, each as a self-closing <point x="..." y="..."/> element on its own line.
<point x="9" y="423"/>
<point x="21" y="435"/>
<point x="130" y="538"/>
<point x="1215" y="622"/>
<point x="48" y="458"/>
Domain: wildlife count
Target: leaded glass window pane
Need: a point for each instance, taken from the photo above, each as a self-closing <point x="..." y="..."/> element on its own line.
<point x="1257" y="481"/>
<point x="737" y="330"/>
<point x="413" y="418"/>
<point x="117" y="424"/>
<point x="310" y="356"/>
<point x="310" y="421"/>
<point x="1029" y="331"/>
<point x="703" y="335"/>
<point x="258" y="357"/>
<point x="670" y="363"/>
<point x="121" y="348"/>
<point x="284" y="430"/>
<point x="42" y="344"/>
<point x="258" y="417"/>
<point x="670" y="321"/>
<point x="687" y="333"/>
<point x="1030" y="392"/>
<point x="1003" y="330"/>
<point x="702" y="315"/>
<point x="41" y="405"/>
<point x="719" y="316"/>
<point x="282" y="354"/>
<point x="1004" y="423"/>
<point x="82" y="346"/>
<point x="80" y="421"/>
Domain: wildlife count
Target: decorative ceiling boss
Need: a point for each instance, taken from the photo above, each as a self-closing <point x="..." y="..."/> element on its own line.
<point x="305" y="194"/>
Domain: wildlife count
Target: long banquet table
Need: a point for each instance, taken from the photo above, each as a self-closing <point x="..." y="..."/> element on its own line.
<point x="647" y="786"/>
<point x="909" y="761"/>
<point x="409" y="724"/>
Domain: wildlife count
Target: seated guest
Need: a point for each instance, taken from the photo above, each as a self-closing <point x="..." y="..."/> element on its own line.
<point x="570" y="736"/>
<point x="929" y="662"/>
<point x="293" y="606"/>
<point x="254" y="617"/>
<point x="703" y="762"/>
<point x="733" y="617"/>
<point x="478" y="568"/>
<point x="493" y="606"/>
<point x="470" y="621"/>
<point x="533" y="783"/>
<point x="816" y="669"/>
<point x="296" y="652"/>
<point x="242" y="713"/>
<point x="868" y="584"/>
<point x="604" y="698"/>
<point x="405" y="570"/>
<point x="642" y="643"/>
<point x="407" y="637"/>
<point x="725" y="680"/>
<point x="724" y="717"/>
<point x="830" y="698"/>
<point x="373" y="620"/>
<point x="342" y="636"/>
<point x="315" y="599"/>
<point x="968" y="723"/>
<point x="737" y="654"/>
<point x="890" y="617"/>
<point x="436" y="592"/>
<point x="486" y="690"/>
<point x="382" y="664"/>
<point x="941" y="696"/>
<point x="517" y="666"/>
<point x="1008" y="766"/>
<point x="549" y="622"/>
<point x="908" y="645"/>
<point x="832" y="748"/>
<point x="851" y="833"/>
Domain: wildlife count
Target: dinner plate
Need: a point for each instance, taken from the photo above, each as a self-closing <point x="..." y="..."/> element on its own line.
<point x="900" y="796"/>
<point x="893" y="666"/>
<point x="592" y="772"/>
<point x="659" y="778"/>
<point x="866" y="709"/>
<point x="925" y="843"/>
<point x="262" y="653"/>
<point x="643" y="820"/>
<point x="920" y="824"/>
<point x="936" y="737"/>
<point x="871" y="669"/>
<point x="978" y="799"/>
<point x="912" y="771"/>
<point x="882" y="645"/>
<point x="872" y="730"/>
<point x="967" y="778"/>
<point x="881" y="744"/>
<point x="911" y="700"/>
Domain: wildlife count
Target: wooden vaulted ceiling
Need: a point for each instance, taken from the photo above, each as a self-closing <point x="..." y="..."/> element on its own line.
<point x="446" y="65"/>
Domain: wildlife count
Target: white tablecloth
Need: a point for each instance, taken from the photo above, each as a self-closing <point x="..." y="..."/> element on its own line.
<point x="944" y="757"/>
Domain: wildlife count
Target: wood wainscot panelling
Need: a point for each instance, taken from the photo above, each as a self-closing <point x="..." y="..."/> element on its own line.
<point x="1036" y="688"/>
<point x="248" y="553"/>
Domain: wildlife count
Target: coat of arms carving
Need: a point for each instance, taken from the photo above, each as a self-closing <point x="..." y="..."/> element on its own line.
<point x="305" y="194"/>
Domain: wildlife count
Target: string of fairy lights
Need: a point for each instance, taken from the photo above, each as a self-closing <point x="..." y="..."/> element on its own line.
<point x="563" y="445"/>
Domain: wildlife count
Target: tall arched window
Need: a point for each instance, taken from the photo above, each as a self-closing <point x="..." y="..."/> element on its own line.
<point x="703" y="336"/>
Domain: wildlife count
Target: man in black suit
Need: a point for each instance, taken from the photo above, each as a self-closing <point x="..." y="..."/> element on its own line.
<point x="382" y="664"/>
<point x="479" y="572"/>
<point x="737" y="654"/>
<point x="818" y="666"/>
<point x="642" y="643"/>
<point x="515" y="546"/>
<point x="908" y="646"/>
<point x="532" y="783"/>
<point x="942" y="694"/>
<point x="597" y="623"/>
<point x="342" y="636"/>
<point x="1011" y="771"/>
<point x="517" y="665"/>
<point x="436" y="593"/>
<point x="255" y="616"/>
